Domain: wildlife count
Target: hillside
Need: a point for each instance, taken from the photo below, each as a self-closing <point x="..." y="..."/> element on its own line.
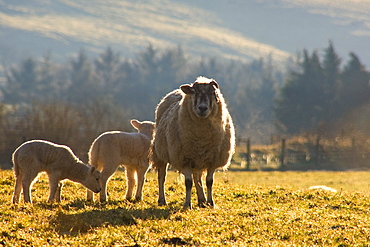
<point x="65" y="26"/>
<point x="231" y="29"/>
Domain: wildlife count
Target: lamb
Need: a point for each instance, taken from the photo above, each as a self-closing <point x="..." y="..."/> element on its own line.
<point x="58" y="161"/>
<point x="115" y="148"/>
<point x="194" y="134"/>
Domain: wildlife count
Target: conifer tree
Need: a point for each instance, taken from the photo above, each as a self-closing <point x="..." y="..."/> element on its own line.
<point x="21" y="83"/>
<point x="331" y="69"/>
<point x="82" y="79"/>
<point x="354" y="89"/>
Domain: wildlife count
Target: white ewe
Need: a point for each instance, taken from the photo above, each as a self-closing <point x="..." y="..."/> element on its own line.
<point x="115" y="148"/>
<point x="58" y="161"/>
<point x="194" y="134"/>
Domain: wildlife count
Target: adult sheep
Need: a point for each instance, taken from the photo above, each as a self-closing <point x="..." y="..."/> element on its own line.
<point x="115" y="148"/>
<point x="58" y="161"/>
<point x="194" y="134"/>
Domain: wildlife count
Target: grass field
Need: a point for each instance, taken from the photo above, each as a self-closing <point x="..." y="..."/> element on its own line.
<point x="253" y="209"/>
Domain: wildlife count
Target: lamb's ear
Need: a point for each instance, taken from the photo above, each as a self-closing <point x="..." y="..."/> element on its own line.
<point x="187" y="89"/>
<point x="135" y="123"/>
<point x="92" y="169"/>
<point x="214" y="83"/>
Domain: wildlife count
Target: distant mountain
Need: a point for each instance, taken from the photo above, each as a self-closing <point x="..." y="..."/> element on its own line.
<point x="236" y="29"/>
<point x="292" y="25"/>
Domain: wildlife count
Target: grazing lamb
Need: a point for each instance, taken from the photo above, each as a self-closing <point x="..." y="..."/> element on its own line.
<point x="115" y="148"/>
<point x="58" y="161"/>
<point x="194" y="134"/>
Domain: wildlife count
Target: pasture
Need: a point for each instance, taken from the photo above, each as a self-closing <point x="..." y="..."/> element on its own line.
<point x="252" y="209"/>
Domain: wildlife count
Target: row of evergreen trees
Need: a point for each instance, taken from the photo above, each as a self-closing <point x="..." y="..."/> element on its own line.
<point x="260" y="95"/>
<point x="137" y="85"/>
<point x="320" y="92"/>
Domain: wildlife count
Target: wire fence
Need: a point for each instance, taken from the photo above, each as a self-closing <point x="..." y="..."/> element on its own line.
<point x="308" y="154"/>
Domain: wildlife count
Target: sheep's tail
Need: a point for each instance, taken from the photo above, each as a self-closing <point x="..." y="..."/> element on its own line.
<point x="15" y="163"/>
<point x="154" y="160"/>
<point x="152" y="156"/>
<point x="93" y="154"/>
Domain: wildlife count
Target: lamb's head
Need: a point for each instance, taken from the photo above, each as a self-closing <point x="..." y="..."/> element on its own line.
<point x="204" y="95"/>
<point x="145" y="127"/>
<point x="92" y="180"/>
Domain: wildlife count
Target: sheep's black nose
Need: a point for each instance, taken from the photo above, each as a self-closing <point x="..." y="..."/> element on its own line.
<point x="203" y="108"/>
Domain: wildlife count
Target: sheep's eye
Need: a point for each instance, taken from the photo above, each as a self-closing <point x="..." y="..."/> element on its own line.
<point x="97" y="179"/>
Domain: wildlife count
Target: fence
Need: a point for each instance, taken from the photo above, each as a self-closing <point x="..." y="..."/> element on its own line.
<point x="309" y="153"/>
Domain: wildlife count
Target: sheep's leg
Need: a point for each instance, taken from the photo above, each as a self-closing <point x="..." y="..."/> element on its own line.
<point x="131" y="182"/>
<point x="140" y="183"/>
<point x="188" y="185"/>
<point x="89" y="195"/>
<point x="58" y="193"/>
<point x="17" y="189"/>
<point x="53" y="184"/>
<point x="26" y="184"/>
<point x="209" y="183"/>
<point x="198" y="185"/>
<point x="162" y="173"/>
<point x="27" y="180"/>
<point x="107" y="172"/>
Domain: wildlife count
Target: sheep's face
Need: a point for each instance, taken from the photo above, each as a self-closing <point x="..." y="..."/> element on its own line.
<point x="92" y="180"/>
<point x="204" y="97"/>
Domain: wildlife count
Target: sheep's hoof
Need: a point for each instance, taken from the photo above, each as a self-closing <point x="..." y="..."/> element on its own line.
<point x="162" y="203"/>
<point x="133" y="200"/>
<point x="187" y="206"/>
<point x="139" y="199"/>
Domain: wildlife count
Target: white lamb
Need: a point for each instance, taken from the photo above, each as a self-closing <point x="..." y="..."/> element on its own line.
<point x="194" y="134"/>
<point x="115" y="148"/>
<point x="58" y="161"/>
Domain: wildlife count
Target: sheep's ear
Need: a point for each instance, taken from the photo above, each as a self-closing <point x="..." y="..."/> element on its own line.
<point x="187" y="89"/>
<point x="135" y="123"/>
<point x="214" y="83"/>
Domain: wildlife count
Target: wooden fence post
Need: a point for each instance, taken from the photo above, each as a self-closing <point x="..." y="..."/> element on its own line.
<point x="282" y="155"/>
<point x="248" y="154"/>
<point x="353" y="150"/>
<point x="317" y="151"/>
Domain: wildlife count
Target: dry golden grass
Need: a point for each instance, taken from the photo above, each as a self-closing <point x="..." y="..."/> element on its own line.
<point x="253" y="209"/>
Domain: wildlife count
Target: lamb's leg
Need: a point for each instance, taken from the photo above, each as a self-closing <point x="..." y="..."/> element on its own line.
<point x="26" y="184"/>
<point x="58" y="193"/>
<point x="188" y="185"/>
<point x="140" y="181"/>
<point x="107" y="172"/>
<point x="53" y="184"/>
<point x="162" y="173"/>
<point x="131" y="182"/>
<point x="209" y="183"/>
<point x="27" y="180"/>
<point x="17" y="189"/>
<point x="198" y="185"/>
<point x="89" y="195"/>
